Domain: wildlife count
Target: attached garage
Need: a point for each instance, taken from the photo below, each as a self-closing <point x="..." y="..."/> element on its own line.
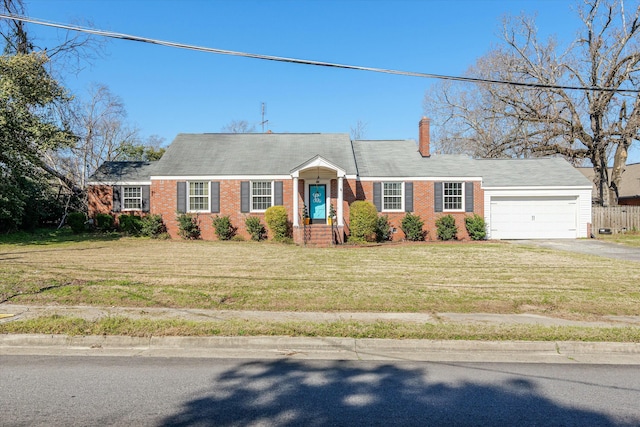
<point x="535" y="199"/>
<point x="534" y="217"/>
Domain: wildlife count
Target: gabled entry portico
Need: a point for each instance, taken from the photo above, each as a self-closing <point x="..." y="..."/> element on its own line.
<point x="316" y="193"/>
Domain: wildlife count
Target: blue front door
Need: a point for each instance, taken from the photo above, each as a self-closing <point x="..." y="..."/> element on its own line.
<point x="317" y="203"/>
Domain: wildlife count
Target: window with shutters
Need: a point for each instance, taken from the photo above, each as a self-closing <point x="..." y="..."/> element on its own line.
<point x="131" y="198"/>
<point x="261" y="195"/>
<point x="198" y="198"/>
<point x="452" y="194"/>
<point x="392" y="196"/>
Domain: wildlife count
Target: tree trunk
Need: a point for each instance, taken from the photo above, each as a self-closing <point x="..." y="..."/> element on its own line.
<point x="619" y="161"/>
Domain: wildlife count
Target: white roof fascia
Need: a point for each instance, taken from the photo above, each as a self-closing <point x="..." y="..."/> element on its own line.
<point x="546" y="187"/>
<point x="317" y="162"/>
<point x="421" y="178"/>
<point x="218" y="177"/>
<point x="119" y="183"/>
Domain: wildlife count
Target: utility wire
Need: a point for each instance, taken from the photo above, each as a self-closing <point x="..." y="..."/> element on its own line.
<point x="129" y="37"/>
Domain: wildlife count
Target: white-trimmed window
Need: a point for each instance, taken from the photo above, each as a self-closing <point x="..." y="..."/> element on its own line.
<point x="392" y="196"/>
<point x="198" y="196"/>
<point x="261" y="195"/>
<point x="453" y="198"/>
<point x="131" y="198"/>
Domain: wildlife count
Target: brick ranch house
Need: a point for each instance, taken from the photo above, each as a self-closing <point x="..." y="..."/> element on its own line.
<point x="241" y="175"/>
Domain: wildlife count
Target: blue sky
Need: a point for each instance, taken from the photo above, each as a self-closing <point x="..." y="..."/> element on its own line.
<point x="167" y="91"/>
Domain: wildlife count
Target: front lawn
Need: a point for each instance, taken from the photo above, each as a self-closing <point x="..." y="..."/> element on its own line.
<point x="429" y="277"/>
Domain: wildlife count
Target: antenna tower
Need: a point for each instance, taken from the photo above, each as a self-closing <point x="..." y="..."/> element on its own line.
<point x="264" y="111"/>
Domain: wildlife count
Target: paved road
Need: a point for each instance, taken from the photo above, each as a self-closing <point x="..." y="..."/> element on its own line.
<point x="116" y="391"/>
<point x="587" y="246"/>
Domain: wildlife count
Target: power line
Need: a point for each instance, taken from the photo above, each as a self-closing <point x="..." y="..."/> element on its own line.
<point x="129" y="37"/>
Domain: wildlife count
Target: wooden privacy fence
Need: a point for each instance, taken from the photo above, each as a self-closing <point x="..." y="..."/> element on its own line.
<point x="617" y="218"/>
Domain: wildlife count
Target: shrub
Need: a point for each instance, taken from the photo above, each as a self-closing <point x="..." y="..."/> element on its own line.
<point x="383" y="229"/>
<point x="363" y="219"/>
<point x="278" y="223"/>
<point x="130" y="224"/>
<point x="224" y="229"/>
<point x="188" y="227"/>
<point x="411" y="226"/>
<point x="77" y="221"/>
<point x="476" y="227"/>
<point x="104" y="222"/>
<point x="255" y="228"/>
<point x="447" y="228"/>
<point x="153" y="226"/>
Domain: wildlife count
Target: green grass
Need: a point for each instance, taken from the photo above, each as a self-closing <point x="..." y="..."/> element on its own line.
<point x="352" y="329"/>
<point x="629" y="239"/>
<point x="427" y="277"/>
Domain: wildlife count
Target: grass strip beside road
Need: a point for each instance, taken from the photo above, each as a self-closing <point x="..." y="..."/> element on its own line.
<point x="343" y="329"/>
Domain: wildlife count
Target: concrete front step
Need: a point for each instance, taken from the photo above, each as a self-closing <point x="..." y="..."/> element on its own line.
<point x="318" y="235"/>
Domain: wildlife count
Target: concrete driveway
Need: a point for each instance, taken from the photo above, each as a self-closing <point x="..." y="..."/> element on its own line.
<point x="587" y="246"/>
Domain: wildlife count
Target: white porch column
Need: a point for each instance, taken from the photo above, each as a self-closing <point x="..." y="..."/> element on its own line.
<point x="296" y="212"/>
<point x="340" y="212"/>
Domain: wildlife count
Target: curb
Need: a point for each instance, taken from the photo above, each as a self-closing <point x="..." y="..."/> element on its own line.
<point x="323" y="348"/>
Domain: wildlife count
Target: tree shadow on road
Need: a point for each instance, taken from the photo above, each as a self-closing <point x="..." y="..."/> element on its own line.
<point x="292" y="393"/>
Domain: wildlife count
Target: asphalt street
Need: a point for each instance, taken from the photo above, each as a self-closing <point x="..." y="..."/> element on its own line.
<point x="118" y="391"/>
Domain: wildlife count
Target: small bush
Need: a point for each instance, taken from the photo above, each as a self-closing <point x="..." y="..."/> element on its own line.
<point x="104" y="222"/>
<point x="447" y="228"/>
<point x="130" y="224"/>
<point x="383" y="229"/>
<point x="188" y="226"/>
<point x="278" y="223"/>
<point x="255" y="228"/>
<point x="153" y="226"/>
<point x="411" y="226"/>
<point x="363" y="220"/>
<point x="224" y="229"/>
<point x="77" y="221"/>
<point x="476" y="227"/>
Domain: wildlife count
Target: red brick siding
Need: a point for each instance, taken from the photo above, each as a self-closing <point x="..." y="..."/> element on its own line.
<point x="164" y="202"/>
<point x="423" y="205"/>
<point x="100" y="201"/>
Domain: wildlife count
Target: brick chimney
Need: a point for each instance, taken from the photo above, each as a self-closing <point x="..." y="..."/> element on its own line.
<point x="423" y="137"/>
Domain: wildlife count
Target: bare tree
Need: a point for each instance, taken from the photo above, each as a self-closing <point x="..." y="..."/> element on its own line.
<point x="598" y="124"/>
<point x="239" y="126"/>
<point x="70" y="52"/>
<point x="102" y="135"/>
<point x="359" y="130"/>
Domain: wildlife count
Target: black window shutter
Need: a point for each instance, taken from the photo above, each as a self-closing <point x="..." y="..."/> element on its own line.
<point x="245" y="198"/>
<point x="146" y="198"/>
<point x="437" y="196"/>
<point x="468" y="196"/>
<point x="278" y="196"/>
<point x="408" y="196"/>
<point x="117" y="198"/>
<point x="181" y="195"/>
<point x="215" y="196"/>
<point x="377" y="195"/>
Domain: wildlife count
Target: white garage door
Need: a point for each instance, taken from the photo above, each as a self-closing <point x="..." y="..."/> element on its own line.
<point x="534" y="217"/>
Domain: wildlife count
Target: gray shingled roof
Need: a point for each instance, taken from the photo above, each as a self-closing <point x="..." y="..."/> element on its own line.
<point x="252" y="153"/>
<point x="401" y="158"/>
<point x="545" y="172"/>
<point x="124" y="171"/>
<point x="279" y="154"/>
